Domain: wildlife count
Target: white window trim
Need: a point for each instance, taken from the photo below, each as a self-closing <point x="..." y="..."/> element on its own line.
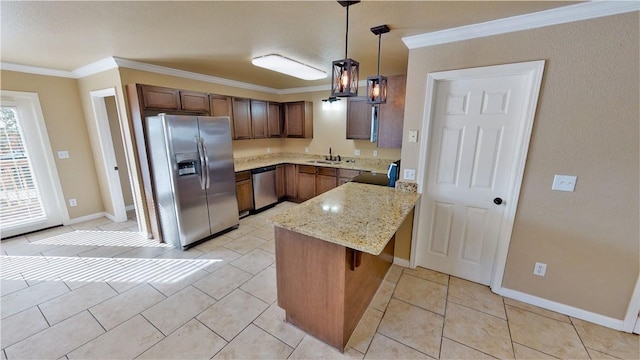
<point x="31" y="113"/>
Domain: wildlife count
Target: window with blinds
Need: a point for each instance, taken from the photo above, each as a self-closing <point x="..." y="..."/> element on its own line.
<point x="20" y="200"/>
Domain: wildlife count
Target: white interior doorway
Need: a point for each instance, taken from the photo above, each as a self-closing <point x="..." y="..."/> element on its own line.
<point x="113" y="154"/>
<point x="477" y="128"/>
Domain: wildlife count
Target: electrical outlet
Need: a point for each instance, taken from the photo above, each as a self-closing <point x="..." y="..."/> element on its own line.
<point x="268" y="150"/>
<point x="540" y="269"/>
<point x="73" y="202"/>
<point x="375" y="153"/>
<point x="64" y="154"/>
<point x="409" y="174"/>
<point x="356" y="152"/>
<point x="306" y="149"/>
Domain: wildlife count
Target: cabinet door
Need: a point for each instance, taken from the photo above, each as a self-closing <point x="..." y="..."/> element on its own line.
<point x="194" y="101"/>
<point x="358" y="118"/>
<point x="241" y="118"/>
<point x="325" y="183"/>
<point x="220" y="105"/>
<point x="306" y="186"/>
<point x="259" y="119"/>
<point x="274" y="119"/>
<point x="244" y="194"/>
<point x="160" y="98"/>
<point x="280" y="182"/>
<point x="392" y="114"/>
<point x="291" y="181"/>
<point x="298" y="119"/>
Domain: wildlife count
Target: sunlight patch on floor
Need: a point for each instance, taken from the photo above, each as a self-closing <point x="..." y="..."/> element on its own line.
<point x="102" y="238"/>
<point x="43" y="268"/>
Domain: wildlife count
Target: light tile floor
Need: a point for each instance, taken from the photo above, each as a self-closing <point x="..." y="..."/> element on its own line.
<point x="98" y="290"/>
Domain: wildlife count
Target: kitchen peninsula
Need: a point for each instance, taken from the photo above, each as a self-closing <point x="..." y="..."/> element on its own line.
<point x="332" y="253"/>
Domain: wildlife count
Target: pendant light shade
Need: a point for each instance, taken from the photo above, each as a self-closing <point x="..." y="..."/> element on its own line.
<point x="345" y="73"/>
<point x="377" y="85"/>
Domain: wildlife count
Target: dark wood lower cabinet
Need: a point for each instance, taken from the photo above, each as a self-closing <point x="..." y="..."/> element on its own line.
<point x="244" y="191"/>
<point x="325" y="179"/>
<point x="280" y="182"/>
<point x="306" y="182"/>
<point x="325" y="288"/>
<point x="291" y="182"/>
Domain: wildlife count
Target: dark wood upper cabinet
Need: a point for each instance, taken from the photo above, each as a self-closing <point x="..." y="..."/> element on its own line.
<point x="391" y="115"/>
<point x="194" y="101"/>
<point x="298" y="119"/>
<point x="241" y="118"/>
<point x="221" y="105"/>
<point x="259" y="119"/>
<point x="168" y="99"/>
<point x="160" y="98"/>
<point x="358" y="118"/>
<point x="274" y="119"/>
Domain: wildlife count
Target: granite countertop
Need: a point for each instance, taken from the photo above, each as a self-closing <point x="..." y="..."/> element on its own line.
<point x="358" y="216"/>
<point x="253" y="162"/>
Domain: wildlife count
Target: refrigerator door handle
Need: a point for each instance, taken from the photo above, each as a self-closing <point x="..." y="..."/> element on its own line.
<point x="206" y="159"/>
<point x="202" y="162"/>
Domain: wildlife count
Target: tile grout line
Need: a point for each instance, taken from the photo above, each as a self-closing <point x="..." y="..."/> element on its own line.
<point x="444" y="317"/>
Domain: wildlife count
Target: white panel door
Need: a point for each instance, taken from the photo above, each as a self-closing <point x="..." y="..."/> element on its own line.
<point x="473" y="141"/>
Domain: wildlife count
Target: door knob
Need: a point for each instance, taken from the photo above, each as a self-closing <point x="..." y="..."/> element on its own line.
<point x="497" y="201"/>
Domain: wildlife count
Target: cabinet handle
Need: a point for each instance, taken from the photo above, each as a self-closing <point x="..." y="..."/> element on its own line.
<point x="356" y="259"/>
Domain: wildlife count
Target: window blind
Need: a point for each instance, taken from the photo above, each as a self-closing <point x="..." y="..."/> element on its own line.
<point x="20" y="200"/>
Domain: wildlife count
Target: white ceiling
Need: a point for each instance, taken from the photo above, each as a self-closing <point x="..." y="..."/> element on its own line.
<point x="219" y="38"/>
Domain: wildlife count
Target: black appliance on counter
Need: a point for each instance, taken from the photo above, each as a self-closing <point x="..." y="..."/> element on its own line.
<point x="379" y="178"/>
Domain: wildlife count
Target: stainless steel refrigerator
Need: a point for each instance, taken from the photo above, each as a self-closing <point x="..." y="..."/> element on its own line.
<point x="191" y="159"/>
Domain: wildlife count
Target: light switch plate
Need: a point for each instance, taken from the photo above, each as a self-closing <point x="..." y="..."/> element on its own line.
<point x="409" y="174"/>
<point x="564" y="183"/>
<point x="356" y="152"/>
<point x="413" y="136"/>
<point x="64" y="154"/>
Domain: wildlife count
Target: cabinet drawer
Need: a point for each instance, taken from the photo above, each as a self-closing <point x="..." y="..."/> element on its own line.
<point x="347" y="173"/>
<point x="327" y="171"/>
<point x="245" y="175"/>
<point x="307" y="169"/>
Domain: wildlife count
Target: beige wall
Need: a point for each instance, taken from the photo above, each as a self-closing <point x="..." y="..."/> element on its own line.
<point x="62" y="110"/>
<point x="587" y="124"/>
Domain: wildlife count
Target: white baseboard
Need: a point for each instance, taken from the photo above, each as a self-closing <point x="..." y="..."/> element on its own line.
<point x="581" y="314"/>
<point x="86" y="218"/>
<point x="130" y="207"/>
<point x="400" y="262"/>
<point x="110" y="217"/>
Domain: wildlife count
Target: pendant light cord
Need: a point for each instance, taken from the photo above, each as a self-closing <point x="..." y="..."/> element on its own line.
<point x="346" y="37"/>
<point x="379" y="41"/>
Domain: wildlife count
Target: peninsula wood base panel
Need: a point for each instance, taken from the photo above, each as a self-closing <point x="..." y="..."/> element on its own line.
<point x="325" y="288"/>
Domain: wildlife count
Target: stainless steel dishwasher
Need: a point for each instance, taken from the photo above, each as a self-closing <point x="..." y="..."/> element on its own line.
<point x="264" y="187"/>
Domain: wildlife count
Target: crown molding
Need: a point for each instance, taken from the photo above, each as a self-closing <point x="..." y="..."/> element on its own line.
<point x="561" y="15"/>
<point x="36" y="70"/>
<point x="96" y="67"/>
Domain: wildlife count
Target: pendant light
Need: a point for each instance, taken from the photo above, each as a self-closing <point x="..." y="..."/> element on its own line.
<point x="344" y="77"/>
<point x="377" y="85"/>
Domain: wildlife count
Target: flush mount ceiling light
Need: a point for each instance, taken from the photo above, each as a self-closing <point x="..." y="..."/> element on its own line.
<point x="377" y="85"/>
<point x="344" y="77"/>
<point x="289" y="67"/>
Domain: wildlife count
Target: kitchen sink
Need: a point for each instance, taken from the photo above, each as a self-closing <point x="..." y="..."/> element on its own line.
<point x="324" y="162"/>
